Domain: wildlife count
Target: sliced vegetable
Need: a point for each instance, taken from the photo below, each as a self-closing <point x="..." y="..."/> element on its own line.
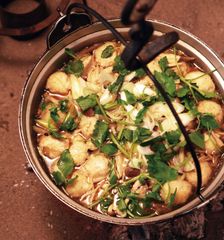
<point x="107" y="52"/>
<point x="198" y="139"/>
<point x="100" y="133"/>
<point x="66" y="163"/>
<point x="87" y="102"/>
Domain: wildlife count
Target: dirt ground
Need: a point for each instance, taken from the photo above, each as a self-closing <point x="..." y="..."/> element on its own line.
<point x="27" y="209"/>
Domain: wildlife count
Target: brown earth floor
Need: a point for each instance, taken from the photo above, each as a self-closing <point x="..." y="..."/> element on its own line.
<point x="27" y="209"/>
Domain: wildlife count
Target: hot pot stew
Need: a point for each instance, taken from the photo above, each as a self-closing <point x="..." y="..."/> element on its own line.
<point x="109" y="139"/>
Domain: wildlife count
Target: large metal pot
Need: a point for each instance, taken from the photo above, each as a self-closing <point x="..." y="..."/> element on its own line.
<point x="54" y="58"/>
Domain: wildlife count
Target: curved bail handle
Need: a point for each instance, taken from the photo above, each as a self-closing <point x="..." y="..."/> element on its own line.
<point x="67" y="23"/>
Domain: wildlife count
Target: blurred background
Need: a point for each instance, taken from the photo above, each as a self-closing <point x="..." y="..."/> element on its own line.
<point x="27" y="209"/>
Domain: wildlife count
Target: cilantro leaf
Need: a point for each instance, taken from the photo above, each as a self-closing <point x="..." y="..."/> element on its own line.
<point x="127" y="135"/>
<point x="182" y="92"/>
<point x="163" y="63"/>
<point x="167" y="82"/>
<point x="116" y="86"/>
<point x="87" y="102"/>
<point x="190" y="105"/>
<point x="119" y="66"/>
<point x="109" y="149"/>
<point x="140" y="73"/>
<point x="100" y="133"/>
<point x="69" y="124"/>
<point x="107" y="52"/>
<point x="198" y="139"/>
<point x="75" y="67"/>
<point x="140" y="115"/>
<point x="131" y="99"/>
<point x="161" y="171"/>
<point x="66" y="163"/>
<point x="208" y="122"/>
<point x="173" y="137"/>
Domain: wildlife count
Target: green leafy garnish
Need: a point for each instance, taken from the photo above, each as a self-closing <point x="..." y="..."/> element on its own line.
<point x="131" y="99"/>
<point x="119" y="66"/>
<point x="167" y="82"/>
<point x="190" y="105"/>
<point x="172" y="198"/>
<point x="161" y="171"/>
<point x="64" y="105"/>
<point x="112" y="174"/>
<point x="107" y="52"/>
<point x="55" y="134"/>
<point x="183" y="91"/>
<point x="54" y="114"/>
<point x="75" y="67"/>
<point x="116" y="86"/>
<point x="69" y="124"/>
<point x="173" y="137"/>
<point x="66" y="163"/>
<point x="140" y="73"/>
<point x="58" y="178"/>
<point x="208" y="122"/>
<point x="140" y="115"/>
<point x="109" y="149"/>
<point x="87" y="102"/>
<point x="43" y="106"/>
<point x="105" y="203"/>
<point x="127" y="135"/>
<point x="100" y="133"/>
<point x="69" y="52"/>
<point x="198" y="139"/>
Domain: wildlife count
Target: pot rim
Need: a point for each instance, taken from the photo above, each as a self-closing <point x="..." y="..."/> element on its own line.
<point x="45" y="179"/>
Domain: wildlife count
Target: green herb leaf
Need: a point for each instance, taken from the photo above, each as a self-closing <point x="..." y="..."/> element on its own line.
<point x="153" y="141"/>
<point x="198" y="139"/>
<point x="64" y="105"/>
<point x="58" y="178"/>
<point x="43" y="106"/>
<point x="167" y="82"/>
<point x="121" y="205"/>
<point x="173" y="137"/>
<point x="75" y="67"/>
<point x="55" y="134"/>
<point x="172" y="198"/>
<point x="105" y="203"/>
<point x="131" y="99"/>
<point x="69" y="52"/>
<point x="182" y="92"/>
<point x="163" y="63"/>
<point x="54" y="114"/>
<point x="127" y="134"/>
<point x="161" y="171"/>
<point x="107" y="52"/>
<point x="140" y="73"/>
<point x="109" y="149"/>
<point x="66" y="163"/>
<point x="116" y="86"/>
<point x="159" y="147"/>
<point x="100" y="133"/>
<point x="112" y="174"/>
<point x="190" y="105"/>
<point x="87" y="102"/>
<point x="69" y="124"/>
<point x="140" y="115"/>
<point x="208" y="122"/>
<point x="119" y="66"/>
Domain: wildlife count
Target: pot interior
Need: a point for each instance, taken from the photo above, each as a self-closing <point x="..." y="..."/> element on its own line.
<point x="53" y="59"/>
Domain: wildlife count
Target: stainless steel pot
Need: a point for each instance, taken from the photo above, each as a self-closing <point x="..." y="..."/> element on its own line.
<point x="54" y="58"/>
